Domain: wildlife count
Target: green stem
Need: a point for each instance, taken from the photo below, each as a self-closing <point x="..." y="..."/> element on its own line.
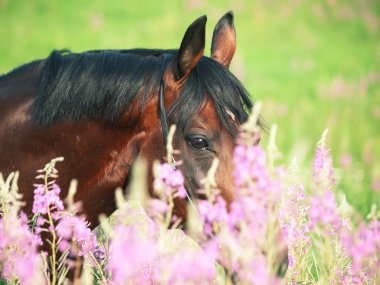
<point x="99" y="267"/>
<point x="54" y="239"/>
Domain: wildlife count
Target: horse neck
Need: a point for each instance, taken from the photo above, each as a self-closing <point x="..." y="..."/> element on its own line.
<point x="22" y="80"/>
<point x="97" y="153"/>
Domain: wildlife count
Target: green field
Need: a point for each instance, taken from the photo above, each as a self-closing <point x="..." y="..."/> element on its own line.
<point x="314" y="64"/>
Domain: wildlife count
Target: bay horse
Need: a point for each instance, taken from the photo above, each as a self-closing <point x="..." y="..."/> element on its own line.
<point x="101" y="109"/>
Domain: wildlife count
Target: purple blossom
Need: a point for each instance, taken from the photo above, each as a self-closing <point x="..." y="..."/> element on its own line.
<point x="323" y="171"/>
<point x="132" y="256"/>
<point x="249" y="163"/>
<point x="323" y="211"/>
<point x="363" y="247"/>
<point x="158" y="208"/>
<point x="239" y="240"/>
<point x="251" y="212"/>
<point x="45" y="199"/>
<point x="76" y="228"/>
<point x="294" y="225"/>
<point x="186" y="267"/>
<point x="216" y="212"/>
<point x="252" y="176"/>
<point x="170" y="180"/>
<point x="210" y="213"/>
<point x="18" y="251"/>
<point x="258" y="274"/>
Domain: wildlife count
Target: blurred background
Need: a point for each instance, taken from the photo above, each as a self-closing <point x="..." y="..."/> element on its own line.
<point x="313" y="64"/>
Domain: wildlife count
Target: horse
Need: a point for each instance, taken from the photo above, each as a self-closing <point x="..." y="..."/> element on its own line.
<point x="102" y="109"/>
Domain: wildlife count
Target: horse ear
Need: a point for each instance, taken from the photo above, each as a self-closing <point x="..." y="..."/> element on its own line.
<point x="192" y="47"/>
<point x="223" y="44"/>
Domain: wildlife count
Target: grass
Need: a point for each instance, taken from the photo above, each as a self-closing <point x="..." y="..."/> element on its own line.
<point x="315" y="65"/>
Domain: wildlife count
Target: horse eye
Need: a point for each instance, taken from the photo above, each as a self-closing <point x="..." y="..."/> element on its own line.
<point x="198" y="142"/>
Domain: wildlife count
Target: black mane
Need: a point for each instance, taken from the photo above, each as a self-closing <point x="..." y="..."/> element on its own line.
<point x="103" y="84"/>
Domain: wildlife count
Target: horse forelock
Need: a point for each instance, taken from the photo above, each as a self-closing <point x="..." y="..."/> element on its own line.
<point x="211" y="80"/>
<point x="103" y="85"/>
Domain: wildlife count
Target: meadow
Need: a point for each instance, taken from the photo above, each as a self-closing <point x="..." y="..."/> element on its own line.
<point x="315" y="65"/>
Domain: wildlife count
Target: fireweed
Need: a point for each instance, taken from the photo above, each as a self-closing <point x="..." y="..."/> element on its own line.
<point x="274" y="213"/>
<point x="19" y="259"/>
<point x="246" y="240"/>
<point x="324" y="248"/>
<point x="66" y="237"/>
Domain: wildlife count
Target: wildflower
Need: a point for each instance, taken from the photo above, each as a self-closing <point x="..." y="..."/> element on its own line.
<point x="170" y="181"/>
<point x="181" y="260"/>
<point x="18" y="251"/>
<point x="293" y="217"/>
<point x="258" y="273"/>
<point x="323" y="211"/>
<point x="131" y="256"/>
<point x="168" y="185"/>
<point x="212" y="213"/>
<point x="186" y="266"/>
<point x="249" y="162"/>
<point x="19" y="258"/>
<point x="76" y="228"/>
<point x="243" y="241"/>
<point x="47" y="198"/>
<point x="363" y="247"/>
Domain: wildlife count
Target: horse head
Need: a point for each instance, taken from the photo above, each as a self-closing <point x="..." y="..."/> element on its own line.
<point x="206" y="103"/>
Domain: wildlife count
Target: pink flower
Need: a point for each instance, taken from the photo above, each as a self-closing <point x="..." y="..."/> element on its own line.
<point x="170" y="180"/>
<point x="47" y="198"/>
<point x="76" y="228"/>
<point x="210" y="213"/>
<point x="363" y="247"/>
<point x="132" y="257"/>
<point x="239" y="234"/>
<point x="18" y="251"/>
<point x="186" y="267"/>
<point x="323" y="211"/>
<point x="323" y="172"/>
<point x="249" y="163"/>
<point x="258" y="274"/>
<point x="157" y="208"/>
